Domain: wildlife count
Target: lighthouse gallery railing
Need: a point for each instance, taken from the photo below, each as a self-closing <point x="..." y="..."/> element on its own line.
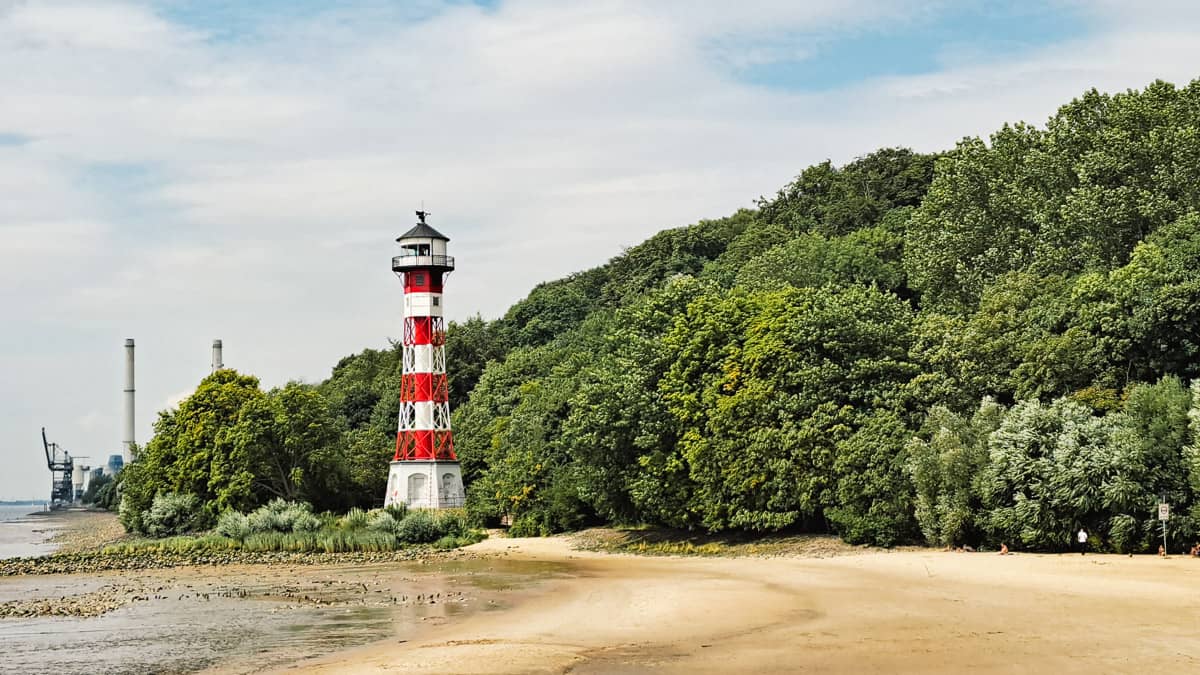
<point x="406" y="261"/>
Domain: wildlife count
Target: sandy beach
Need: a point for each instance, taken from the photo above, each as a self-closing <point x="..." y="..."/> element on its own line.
<point x="545" y="606"/>
<point x="905" y="611"/>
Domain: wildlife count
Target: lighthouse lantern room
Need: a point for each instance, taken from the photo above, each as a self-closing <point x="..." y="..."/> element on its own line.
<point x="424" y="471"/>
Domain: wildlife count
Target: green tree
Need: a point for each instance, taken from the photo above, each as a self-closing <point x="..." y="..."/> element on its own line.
<point x="1105" y="174"/>
<point x="192" y="453"/>
<point x="945" y="462"/>
<point x="764" y="387"/>
<point x="470" y="347"/>
<point x="829" y="201"/>
<point x="288" y="441"/>
<point x="873" y="497"/>
<point x="101" y="492"/>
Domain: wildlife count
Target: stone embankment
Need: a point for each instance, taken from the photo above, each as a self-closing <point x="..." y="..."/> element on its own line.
<point x="95" y="561"/>
<point x="84" y="605"/>
<point x="300" y="587"/>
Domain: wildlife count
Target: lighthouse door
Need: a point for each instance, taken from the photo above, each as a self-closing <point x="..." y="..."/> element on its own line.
<point x="416" y="489"/>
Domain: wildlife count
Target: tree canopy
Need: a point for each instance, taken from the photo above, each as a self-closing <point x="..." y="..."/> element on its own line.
<point x="993" y="344"/>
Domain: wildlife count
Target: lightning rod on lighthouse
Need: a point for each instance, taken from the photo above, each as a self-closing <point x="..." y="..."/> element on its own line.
<point x="424" y="472"/>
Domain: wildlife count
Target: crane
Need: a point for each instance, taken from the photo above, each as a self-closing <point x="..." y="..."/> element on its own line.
<point x="61" y="466"/>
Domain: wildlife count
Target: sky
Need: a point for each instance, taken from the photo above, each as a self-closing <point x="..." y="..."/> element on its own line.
<point x="177" y="171"/>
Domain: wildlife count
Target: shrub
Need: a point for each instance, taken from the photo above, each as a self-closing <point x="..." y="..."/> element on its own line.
<point x="355" y="519"/>
<point x="446" y="543"/>
<point x="529" y="525"/>
<point x="419" y="527"/>
<point x="234" y="525"/>
<point x="382" y="521"/>
<point x="264" y="520"/>
<point x="280" y="515"/>
<point x="130" y="516"/>
<point x="450" y="541"/>
<point x="452" y="522"/>
<point x="171" y="513"/>
<point x="397" y="511"/>
<point x="305" y="522"/>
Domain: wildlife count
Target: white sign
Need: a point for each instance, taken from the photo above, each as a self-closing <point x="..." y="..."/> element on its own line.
<point x="1164" y="511"/>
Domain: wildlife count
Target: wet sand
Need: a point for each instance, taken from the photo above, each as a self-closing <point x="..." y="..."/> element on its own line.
<point x="910" y="612"/>
<point x="241" y="619"/>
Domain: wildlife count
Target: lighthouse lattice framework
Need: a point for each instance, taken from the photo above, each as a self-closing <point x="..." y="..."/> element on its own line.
<point x="424" y="472"/>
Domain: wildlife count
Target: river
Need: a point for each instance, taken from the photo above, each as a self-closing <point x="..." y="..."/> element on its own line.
<point x="23" y="534"/>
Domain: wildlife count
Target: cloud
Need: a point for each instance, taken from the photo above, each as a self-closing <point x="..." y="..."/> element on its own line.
<point x="95" y="421"/>
<point x="173" y="400"/>
<point x="80" y="26"/>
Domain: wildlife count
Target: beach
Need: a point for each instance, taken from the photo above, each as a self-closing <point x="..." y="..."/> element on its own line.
<point x="909" y="611"/>
<point x="546" y="606"/>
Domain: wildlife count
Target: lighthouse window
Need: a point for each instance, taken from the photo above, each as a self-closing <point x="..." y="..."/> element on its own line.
<point x="419" y="279"/>
<point x="436" y="301"/>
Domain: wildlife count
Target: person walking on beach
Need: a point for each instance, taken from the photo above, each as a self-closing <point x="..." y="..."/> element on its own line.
<point x="1082" y="536"/>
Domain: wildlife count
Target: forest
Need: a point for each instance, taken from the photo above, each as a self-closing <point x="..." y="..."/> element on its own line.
<point x="993" y="343"/>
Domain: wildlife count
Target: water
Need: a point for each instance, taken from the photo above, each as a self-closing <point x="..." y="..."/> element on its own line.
<point x="246" y="619"/>
<point x="22" y="534"/>
<point x="10" y="512"/>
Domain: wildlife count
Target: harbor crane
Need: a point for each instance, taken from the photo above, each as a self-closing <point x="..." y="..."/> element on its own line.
<point x="61" y="467"/>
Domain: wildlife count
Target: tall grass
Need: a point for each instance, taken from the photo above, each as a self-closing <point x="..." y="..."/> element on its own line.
<point x="332" y="541"/>
<point x="182" y="544"/>
<point x="355" y="519"/>
<point x="292" y="527"/>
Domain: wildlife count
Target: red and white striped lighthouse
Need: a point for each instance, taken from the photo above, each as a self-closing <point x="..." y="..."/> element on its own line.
<point x="424" y="471"/>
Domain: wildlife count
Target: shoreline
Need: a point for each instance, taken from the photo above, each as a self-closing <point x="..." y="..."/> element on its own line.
<point x="243" y="618"/>
<point x="567" y="603"/>
<point x="32" y="534"/>
<point x="904" y="611"/>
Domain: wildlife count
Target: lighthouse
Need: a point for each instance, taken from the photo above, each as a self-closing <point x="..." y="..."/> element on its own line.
<point x="424" y="472"/>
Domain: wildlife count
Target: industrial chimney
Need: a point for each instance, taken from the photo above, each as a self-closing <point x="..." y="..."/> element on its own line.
<point x="127" y="439"/>
<point x="217" y="361"/>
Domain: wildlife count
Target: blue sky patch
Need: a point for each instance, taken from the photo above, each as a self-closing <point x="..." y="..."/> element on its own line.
<point x="967" y="33"/>
<point x="8" y="139"/>
<point x="243" y="21"/>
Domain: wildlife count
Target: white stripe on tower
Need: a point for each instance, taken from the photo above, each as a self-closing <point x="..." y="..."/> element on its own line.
<point x="423" y="304"/>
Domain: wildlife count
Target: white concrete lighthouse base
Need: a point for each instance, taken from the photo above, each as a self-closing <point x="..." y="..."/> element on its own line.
<point x="425" y="484"/>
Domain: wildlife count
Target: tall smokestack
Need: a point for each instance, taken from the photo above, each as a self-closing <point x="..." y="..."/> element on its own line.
<point x="217" y="363"/>
<point x="127" y="440"/>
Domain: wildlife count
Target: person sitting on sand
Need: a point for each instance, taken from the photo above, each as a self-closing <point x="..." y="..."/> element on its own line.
<point x="1162" y="552"/>
<point x="1195" y="552"/>
<point x="1003" y="549"/>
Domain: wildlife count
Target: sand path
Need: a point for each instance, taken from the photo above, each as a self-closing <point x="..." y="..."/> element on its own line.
<point x="893" y="612"/>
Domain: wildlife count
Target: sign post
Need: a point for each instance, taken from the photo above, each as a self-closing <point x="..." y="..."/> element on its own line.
<point x="1164" y="514"/>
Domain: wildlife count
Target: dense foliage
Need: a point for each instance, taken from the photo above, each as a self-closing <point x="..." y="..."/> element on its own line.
<point x="102" y="493"/>
<point x="992" y="344"/>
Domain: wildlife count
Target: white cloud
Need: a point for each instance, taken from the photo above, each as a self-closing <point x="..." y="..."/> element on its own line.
<point x="173" y="400"/>
<point x="91" y="26"/>
<point x="95" y="421"/>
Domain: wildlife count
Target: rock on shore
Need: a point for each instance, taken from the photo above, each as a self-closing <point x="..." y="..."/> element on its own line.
<point x="94" y="561"/>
